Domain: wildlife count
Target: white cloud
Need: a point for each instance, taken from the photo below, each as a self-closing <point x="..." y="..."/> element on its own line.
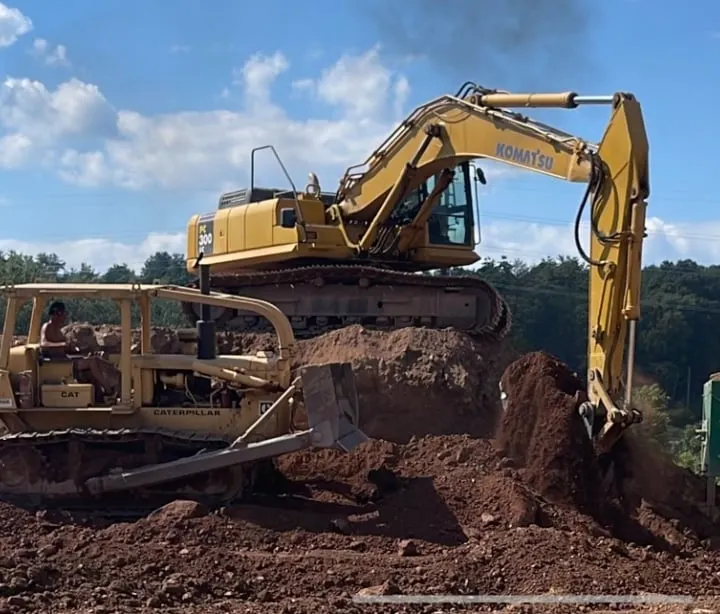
<point x="532" y="241"/>
<point x="13" y="25"/>
<point x="74" y="108"/>
<point x="257" y="75"/>
<point x="304" y="85"/>
<point x="402" y="92"/>
<point x="35" y="119"/>
<point x="360" y="85"/>
<point x="694" y="240"/>
<point x="197" y="149"/>
<point x="101" y="253"/>
<point x="14" y="150"/>
<point x="52" y="56"/>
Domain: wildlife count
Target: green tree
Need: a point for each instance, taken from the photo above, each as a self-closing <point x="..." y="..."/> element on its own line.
<point x="165" y="268"/>
<point x="119" y="274"/>
<point x="688" y="447"/>
<point x="653" y="402"/>
<point x="684" y="443"/>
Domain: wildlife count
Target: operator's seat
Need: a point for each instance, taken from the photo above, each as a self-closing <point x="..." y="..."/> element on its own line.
<point x="54" y="369"/>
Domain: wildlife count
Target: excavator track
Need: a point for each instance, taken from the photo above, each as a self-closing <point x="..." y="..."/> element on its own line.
<point x="46" y="470"/>
<point x="320" y="298"/>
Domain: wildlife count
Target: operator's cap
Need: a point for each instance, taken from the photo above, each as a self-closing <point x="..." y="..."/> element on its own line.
<point x="57" y="308"/>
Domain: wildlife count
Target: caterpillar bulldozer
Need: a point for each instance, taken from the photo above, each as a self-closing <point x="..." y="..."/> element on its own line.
<point x="359" y="255"/>
<point x="204" y="427"/>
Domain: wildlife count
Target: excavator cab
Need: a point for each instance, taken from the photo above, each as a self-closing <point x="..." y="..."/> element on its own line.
<point x="453" y="220"/>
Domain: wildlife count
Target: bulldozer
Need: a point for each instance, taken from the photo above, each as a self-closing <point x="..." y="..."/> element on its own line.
<point x="362" y="254"/>
<point x="204" y="427"/>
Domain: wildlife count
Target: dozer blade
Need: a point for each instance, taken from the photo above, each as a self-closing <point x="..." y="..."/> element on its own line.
<point x="331" y="402"/>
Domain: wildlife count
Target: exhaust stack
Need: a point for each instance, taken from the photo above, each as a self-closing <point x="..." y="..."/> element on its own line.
<point x="205" y="326"/>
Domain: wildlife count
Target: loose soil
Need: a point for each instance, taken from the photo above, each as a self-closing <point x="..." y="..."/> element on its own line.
<point x="441" y="378"/>
<point x="429" y="513"/>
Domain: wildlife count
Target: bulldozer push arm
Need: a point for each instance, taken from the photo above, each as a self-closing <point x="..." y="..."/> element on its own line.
<point x="450" y="130"/>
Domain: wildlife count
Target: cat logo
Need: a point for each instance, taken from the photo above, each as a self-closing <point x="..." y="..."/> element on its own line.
<point x="69" y="394"/>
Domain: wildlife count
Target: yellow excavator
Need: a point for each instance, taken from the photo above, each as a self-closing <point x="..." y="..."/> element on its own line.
<point x="331" y="259"/>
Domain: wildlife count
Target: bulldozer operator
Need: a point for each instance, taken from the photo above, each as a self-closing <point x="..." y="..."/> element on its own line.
<point x="54" y="344"/>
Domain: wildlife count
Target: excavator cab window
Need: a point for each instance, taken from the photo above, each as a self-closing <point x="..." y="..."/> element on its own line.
<point x="451" y="222"/>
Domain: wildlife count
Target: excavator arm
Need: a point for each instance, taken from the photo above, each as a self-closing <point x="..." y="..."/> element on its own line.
<point x="618" y="193"/>
<point x="476" y="123"/>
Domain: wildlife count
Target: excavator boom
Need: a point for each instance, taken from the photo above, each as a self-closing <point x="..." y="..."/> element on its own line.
<point x="450" y="130"/>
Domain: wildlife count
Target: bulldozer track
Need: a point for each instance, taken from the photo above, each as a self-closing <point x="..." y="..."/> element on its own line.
<point x="53" y="452"/>
<point x="495" y="325"/>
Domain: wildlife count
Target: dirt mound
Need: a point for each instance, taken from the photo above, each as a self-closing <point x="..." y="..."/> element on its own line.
<point x="542" y="434"/>
<point x="453" y="519"/>
<point x="417" y="381"/>
<point x="411" y="381"/>
<point x="439" y="514"/>
<point x="668" y="498"/>
<point x="542" y="431"/>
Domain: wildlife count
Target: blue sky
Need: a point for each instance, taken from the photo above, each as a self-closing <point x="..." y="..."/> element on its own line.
<point x="118" y="120"/>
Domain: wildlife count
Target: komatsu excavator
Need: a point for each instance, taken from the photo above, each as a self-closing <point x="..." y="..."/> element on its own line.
<point x="331" y="259"/>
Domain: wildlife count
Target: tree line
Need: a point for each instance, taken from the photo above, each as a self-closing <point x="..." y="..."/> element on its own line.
<point x="677" y="347"/>
<point x="677" y="350"/>
<point x="161" y="267"/>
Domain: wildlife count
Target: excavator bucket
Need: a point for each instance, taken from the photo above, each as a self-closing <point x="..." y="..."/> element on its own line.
<point x="332" y="405"/>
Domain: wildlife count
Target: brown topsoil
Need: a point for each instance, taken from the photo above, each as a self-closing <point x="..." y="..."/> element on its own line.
<point x="442" y="375"/>
<point x="413" y="513"/>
